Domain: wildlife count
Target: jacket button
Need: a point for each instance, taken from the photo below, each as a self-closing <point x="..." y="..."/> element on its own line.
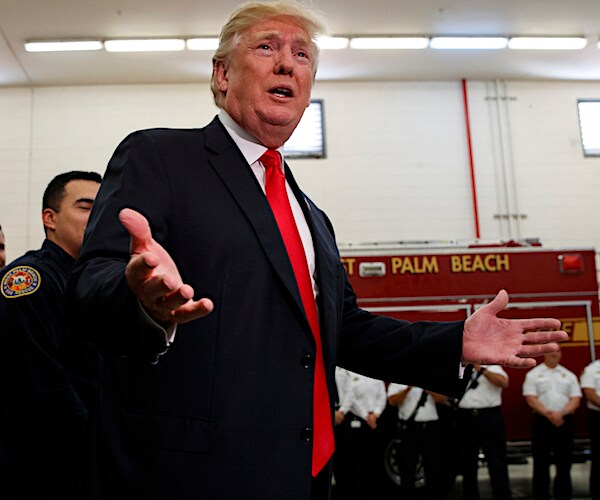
<point x="306" y="434"/>
<point x="307" y="361"/>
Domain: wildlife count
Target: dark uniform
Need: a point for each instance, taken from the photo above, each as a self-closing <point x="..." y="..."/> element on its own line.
<point x="41" y="414"/>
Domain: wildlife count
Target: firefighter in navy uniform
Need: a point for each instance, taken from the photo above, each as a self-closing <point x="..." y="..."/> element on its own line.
<point x="41" y="414"/>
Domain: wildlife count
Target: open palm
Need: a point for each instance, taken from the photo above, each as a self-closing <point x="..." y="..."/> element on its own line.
<point x="154" y="278"/>
<point x="491" y="340"/>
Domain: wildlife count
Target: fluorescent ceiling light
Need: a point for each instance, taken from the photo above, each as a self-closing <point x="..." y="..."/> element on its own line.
<point x="202" y="44"/>
<point x="145" y="45"/>
<point x="63" y="45"/>
<point x="389" y="42"/>
<point x="332" y="42"/>
<point x="468" y="42"/>
<point x="547" y="43"/>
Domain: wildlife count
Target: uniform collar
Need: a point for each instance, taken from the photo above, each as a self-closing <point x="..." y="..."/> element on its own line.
<point x="63" y="257"/>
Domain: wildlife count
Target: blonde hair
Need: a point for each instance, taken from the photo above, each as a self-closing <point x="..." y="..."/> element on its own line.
<point x="251" y="13"/>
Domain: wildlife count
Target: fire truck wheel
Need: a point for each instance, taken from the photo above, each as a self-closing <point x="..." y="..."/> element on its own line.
<point x="392" y="464"/>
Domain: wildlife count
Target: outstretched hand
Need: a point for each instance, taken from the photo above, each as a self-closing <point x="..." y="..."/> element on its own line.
<point x="491" y="340"/>
<point x="154" y="278"/>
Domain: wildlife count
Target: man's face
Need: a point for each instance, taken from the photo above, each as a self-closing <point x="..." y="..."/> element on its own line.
<point x="552" y="358"/>
<point x="268" y="78"/>
<point x="66" y="225"/>
<point x="2" y="250"/>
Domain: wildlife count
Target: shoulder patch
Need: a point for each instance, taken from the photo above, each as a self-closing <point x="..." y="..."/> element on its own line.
<point x="19" y="281"/>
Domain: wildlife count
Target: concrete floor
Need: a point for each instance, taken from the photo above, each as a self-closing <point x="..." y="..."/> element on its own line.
<point x="520" y="481"/>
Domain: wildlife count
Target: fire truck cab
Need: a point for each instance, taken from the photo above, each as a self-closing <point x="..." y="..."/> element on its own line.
<point x="447" y="281"/>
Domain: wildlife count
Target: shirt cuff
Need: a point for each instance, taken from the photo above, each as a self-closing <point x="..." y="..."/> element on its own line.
<point x="168" y="332"/>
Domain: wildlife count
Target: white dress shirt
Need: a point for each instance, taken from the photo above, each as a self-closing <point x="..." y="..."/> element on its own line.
<point x="426" y="413"/>
<point x="359" y="394"/>
<point x="554" y="387"/>
<point x="486" y="394"/>
<point x="590" y="379"/>
<point x="252" y="151"/>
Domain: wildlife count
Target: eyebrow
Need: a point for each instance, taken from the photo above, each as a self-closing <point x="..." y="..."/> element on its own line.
<point x="84" y="200"/>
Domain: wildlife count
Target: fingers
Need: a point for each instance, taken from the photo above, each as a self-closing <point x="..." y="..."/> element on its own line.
<point x="138" y="228"/>
<point x="177" y="298"/>
<point x="516" y="362"/>
<point x="500" y="301"/>
<point x="539" y="324"/>
<point x="537" y="350"/>
<point x="155" y="291"/>
<point x="140" y="266"/>
<point x="139" y="274"/>
<point x="544" y="337"/>
<point x="193" y="310"/>
<point x="160" y="291"/>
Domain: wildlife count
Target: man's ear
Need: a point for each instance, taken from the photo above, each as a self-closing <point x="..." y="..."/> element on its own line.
<point x="48" y="218"/>
<point x="220" y="72"/>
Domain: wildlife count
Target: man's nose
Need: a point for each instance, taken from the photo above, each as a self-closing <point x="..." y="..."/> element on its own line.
<point x="285" y="63"/>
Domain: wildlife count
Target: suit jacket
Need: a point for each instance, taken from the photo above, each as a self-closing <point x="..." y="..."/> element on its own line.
<point x="226" y="411"/>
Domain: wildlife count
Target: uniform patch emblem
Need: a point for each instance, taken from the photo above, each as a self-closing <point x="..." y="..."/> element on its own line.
<point x="19" y="281"/>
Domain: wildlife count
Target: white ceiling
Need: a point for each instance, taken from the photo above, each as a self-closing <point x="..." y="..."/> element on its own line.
<point x="22" y="20"/>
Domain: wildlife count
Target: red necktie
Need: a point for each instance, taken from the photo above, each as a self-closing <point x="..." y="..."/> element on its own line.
<point x="323" y="444"/>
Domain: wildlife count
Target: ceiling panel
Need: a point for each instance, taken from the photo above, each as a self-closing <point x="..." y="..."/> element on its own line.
<point x="22" y="20"/>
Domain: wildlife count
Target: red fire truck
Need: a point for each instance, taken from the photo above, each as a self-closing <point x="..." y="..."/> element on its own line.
<point x="450" y="280"/>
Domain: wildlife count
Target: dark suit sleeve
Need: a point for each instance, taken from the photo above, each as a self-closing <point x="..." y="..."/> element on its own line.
<point x="98" y="294"/>
<point x="425" y="354"/>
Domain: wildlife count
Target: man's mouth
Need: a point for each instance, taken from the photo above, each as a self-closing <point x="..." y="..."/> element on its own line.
<point x="281" y="92"/>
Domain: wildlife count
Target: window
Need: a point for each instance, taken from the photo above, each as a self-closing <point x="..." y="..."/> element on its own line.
<point x="589" y="124"/>
<point x="308" y="140"/>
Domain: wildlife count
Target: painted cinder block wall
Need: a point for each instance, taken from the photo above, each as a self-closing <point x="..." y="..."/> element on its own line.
<point x="397" y="166"/>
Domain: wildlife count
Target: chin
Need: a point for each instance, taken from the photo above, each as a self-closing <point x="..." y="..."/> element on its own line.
<point x="283" y="114"/>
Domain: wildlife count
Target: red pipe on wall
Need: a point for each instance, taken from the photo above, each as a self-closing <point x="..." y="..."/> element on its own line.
<point x="471" y="164"/>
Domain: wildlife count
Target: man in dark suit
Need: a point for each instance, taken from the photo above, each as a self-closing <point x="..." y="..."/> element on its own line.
<point x="213" y="358"/>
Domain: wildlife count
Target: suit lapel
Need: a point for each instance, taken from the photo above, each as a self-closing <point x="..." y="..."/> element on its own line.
<point x="230" y="165"/>
<point x="327" y="266"/>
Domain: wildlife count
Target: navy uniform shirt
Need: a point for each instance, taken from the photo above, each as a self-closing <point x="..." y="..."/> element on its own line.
<point x="41" y="416"/>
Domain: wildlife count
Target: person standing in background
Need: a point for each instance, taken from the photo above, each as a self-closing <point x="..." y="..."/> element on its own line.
<point x="590" y="383"/>
<point x="554" y="394"/>
<point x="2" y="249"/>
<point x="41" y="414"/>
<point x="361" y="400"/>
<point x="481" y="426"/>
<point x="420" y="435"/>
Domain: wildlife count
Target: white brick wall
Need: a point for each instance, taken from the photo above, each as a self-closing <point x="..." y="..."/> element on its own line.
<point x="397" y="165"/>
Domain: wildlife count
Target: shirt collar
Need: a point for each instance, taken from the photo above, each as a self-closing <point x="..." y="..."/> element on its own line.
<point x="249" y="146"/>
